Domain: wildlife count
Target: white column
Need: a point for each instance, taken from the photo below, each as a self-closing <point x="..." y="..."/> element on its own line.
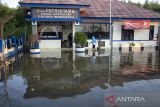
<point x="34" y="28"/>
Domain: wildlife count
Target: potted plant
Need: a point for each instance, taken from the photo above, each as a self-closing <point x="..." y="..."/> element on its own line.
<point x="120" y="47"/>
<point x="80" y="40"/>
<point x="131" y="45"/>
<point x="142" y="46"/>
<point x="34" y="48"/>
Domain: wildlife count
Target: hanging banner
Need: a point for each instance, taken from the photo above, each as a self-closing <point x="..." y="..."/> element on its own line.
<point x="136" y="24"/>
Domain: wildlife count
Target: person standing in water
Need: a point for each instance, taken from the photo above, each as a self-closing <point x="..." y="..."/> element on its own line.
<point x="94" y="41"/>
<point x="70" y="40"/>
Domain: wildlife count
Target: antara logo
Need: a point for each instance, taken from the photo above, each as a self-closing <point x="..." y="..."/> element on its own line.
<point x="130" y="99"/>
<point x="112" y="99"/>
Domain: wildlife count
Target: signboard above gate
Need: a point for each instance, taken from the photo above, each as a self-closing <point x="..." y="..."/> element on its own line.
<point x="56" y="13"/>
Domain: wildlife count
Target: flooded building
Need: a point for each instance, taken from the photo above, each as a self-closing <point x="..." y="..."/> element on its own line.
<point x="56" y="20"/>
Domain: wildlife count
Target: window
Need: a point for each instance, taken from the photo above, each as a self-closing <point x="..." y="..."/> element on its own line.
<point x="127" y="34"/>
<point x="100" y="31"/>
<point x="151" y="33"/>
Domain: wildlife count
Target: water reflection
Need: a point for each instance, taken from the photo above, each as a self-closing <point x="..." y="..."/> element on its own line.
<point x="126" y="59"/>
<point x="7" y="68"/>
<point x="73" y="76"/>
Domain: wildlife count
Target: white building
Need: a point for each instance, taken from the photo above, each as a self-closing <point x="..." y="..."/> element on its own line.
<point x="53" y="21"/>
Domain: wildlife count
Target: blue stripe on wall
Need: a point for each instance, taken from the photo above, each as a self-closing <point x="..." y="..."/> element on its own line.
<point x="55" y="19"/>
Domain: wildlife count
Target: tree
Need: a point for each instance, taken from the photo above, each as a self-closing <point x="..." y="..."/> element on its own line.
<point x="22" y="26"/>
<point x="136" y="4"/>
<point x="17" y="24"/>
<point x="6" y="14"/>
<point x="152" y="6"/>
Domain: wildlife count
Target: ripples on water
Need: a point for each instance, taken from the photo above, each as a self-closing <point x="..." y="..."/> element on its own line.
<point x="66" y="79"/>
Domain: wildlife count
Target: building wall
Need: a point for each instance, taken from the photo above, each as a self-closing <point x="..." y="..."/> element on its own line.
<point x="117" y="26"/>
<point x="50" y="44"/>
<point x="143" y="34"/>
<point x="139" y="34"/>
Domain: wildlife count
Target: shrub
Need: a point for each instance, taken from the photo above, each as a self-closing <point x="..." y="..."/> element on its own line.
<point x="80" y="39"/>
<point x="131" y="44"/>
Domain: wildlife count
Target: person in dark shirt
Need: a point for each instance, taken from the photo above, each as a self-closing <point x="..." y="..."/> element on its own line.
<point x="70" y="40"/>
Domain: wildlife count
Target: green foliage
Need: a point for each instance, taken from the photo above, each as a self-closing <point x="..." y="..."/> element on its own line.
<point x="80" y="39"/>
<point x="20" y="17"/>
<point x="136" y="4"/>
<point x="152" y="6"/>
<point x="9" y="27"/>
<point x="131" y="44"/>
<point x="6" y="14"/>
<point x="155" y="6"/>
<point x="5" y="11"/>
<point x="17" y="24"/>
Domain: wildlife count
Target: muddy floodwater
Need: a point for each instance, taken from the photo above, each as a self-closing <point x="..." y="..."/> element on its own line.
<point x="66" y="79"/>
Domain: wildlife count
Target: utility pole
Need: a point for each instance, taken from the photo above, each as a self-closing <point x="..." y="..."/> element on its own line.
<point x="111" y="41"/>
<point x="110" y="23"/>
<point x="158" y="37"/>
<point x="158" y="44"/>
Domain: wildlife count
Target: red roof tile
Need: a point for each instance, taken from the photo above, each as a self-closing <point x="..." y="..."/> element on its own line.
<point x="100" y="8"/>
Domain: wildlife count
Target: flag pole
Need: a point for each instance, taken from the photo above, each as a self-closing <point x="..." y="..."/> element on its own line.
<point x="111" y="42"/>
<point x="110" y="22"/>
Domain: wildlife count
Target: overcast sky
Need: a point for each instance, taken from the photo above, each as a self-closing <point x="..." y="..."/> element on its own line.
<point x="14" y="3"/>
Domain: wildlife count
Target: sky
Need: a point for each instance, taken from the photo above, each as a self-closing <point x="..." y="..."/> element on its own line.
<point x="11" y="3"/>
<point x="14" y="3"/>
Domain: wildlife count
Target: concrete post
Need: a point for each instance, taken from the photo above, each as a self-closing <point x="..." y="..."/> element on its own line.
<point x="34" y="28"/>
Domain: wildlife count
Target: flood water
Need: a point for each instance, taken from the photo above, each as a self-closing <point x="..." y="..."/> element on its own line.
<point x="66" y="79"/>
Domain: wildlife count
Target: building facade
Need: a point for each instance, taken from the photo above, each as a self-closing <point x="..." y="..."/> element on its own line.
<point x="56" y="21"/>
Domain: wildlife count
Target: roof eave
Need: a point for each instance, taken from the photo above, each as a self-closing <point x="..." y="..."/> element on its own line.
<point x="119" y="18"/>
